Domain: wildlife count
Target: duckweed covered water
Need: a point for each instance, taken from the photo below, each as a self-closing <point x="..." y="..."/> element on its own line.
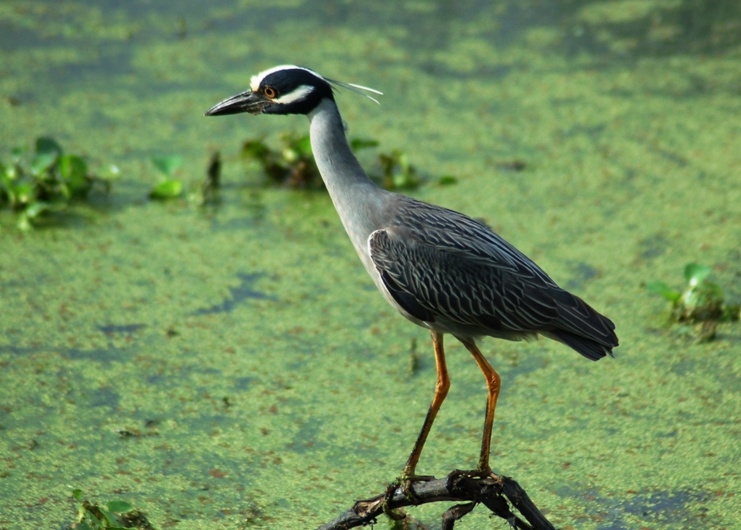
<point x="233" y="367"/>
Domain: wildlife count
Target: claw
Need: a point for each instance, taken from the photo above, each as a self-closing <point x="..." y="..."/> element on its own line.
<point x="407" y="485"/>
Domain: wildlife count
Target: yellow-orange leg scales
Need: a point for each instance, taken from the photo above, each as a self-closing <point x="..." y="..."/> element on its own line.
<point x="493" y="384"/>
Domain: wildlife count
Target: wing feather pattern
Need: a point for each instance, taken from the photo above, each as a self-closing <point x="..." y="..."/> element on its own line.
<point x="449" y="270"/>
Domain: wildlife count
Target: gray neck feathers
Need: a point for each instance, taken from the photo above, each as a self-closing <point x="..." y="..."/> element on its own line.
<point x="357" y="199"/>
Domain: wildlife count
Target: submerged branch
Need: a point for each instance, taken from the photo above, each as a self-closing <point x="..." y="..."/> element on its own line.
<point x="497" y="493"/>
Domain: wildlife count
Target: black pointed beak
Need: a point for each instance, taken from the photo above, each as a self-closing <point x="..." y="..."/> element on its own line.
<point x="247" y="101"/>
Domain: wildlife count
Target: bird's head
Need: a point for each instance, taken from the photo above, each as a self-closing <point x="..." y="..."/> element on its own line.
<point x="285" y="89"/>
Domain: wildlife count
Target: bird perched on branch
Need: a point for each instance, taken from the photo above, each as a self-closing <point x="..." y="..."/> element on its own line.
<point x="439" y="268"/>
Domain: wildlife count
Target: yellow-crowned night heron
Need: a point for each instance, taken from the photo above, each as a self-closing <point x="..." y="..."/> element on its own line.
<point x="439" y="268"/>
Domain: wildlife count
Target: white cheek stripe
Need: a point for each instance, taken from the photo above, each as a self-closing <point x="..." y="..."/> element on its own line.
<point x="257" y="79"/>
<point x="300" y="93"/>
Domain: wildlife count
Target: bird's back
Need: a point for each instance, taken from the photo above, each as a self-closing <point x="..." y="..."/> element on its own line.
<point x="453" y="274"/>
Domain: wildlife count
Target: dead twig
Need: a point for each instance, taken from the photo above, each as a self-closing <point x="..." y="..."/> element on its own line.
<point x="498" y="493"/>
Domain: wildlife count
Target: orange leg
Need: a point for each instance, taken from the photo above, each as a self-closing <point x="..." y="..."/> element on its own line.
<point x="493" y="384"/>
<point x="441" y="390"/>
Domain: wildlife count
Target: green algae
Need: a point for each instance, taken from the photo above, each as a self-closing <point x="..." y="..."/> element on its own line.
<point x="233" y="367"/>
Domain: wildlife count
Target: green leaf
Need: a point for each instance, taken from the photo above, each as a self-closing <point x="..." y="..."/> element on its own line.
<point x="35" y="209"/>
<point x="73" y="170"/>
<point x="72" y="167"/>
<point x="168" y="164"/>
<point x="402" y="159"/>
<point x="24" y="223"/>
<point x="119" y="506"/>
<point x="662" y="289"/>
<point x="41" y="163"/>
<point x="19" y="194"/>
<point x="167" y="189"/>
<point x="109" y="517"/>
<point x="77" y="494"/>
<point x="48" y="146"/>
<point x="405" y="180"/>
<point x="9" y="173"/>
<point x="695" y="273"/>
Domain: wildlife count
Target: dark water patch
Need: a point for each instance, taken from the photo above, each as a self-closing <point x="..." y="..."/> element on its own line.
<point x="244" y="383"/>
<point x="672" y="156"/>
<point x="666" y="506"/>
<point x="244" y="291"/>
<point x="94" y="354"/>
<point x="305" y="440"/>
<point x="128" y="329"/>
<point x="653" y="246"/>
<point x="658" y="31"/>
<point x="14" y="37"/>
<point x="671" y="507"/>
<point x="590" y="131"/>
<point x="104" y="397"/>
<point x="581" y="273"/>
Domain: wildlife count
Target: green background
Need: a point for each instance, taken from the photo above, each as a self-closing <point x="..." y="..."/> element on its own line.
<point x="233" y="366"/>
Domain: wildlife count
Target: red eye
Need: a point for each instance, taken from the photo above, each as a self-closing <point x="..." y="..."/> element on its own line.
<point x="269" y="92"/>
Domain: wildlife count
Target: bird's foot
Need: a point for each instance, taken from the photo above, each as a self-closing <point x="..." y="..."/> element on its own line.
<point x="479" y="472"/>
<point x="405" y="483"/>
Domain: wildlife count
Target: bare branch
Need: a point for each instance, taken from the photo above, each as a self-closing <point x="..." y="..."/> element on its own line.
<point x="497" y="493"/>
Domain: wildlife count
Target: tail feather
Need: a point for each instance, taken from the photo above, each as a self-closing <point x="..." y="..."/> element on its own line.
<point x="589" y="348"/>
<point x="582" y="328"/>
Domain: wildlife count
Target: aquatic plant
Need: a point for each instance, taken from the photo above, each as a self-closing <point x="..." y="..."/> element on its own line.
<point x="46" y="180"/>
<point x="206" y="192"/>
<point x="115" y="515"/>
<point x="396" y="171"/>
<point x="292" y="164"/>
<point x="168" y="186"/>
<point x="701" y="302"/>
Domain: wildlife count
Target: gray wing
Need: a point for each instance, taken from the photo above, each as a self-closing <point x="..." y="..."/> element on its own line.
<point x="444" y="267"/>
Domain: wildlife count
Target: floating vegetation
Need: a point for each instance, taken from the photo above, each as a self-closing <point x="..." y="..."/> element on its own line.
<point x="207" y="191"/>
<point x="115" y="515"/>
<point x="36" y="184"/>
<point x="396" y="171"/>
<point x="702" y="301"/>
<point x="293" y="165"/>
<point x="168" y="186"/>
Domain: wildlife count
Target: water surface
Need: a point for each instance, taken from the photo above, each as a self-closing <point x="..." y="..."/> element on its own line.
<point x="233" y="367"/>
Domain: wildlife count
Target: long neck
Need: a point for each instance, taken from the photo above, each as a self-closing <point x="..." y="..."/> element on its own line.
<point x="336" y="162"/>
<point x="356" y="197"/>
